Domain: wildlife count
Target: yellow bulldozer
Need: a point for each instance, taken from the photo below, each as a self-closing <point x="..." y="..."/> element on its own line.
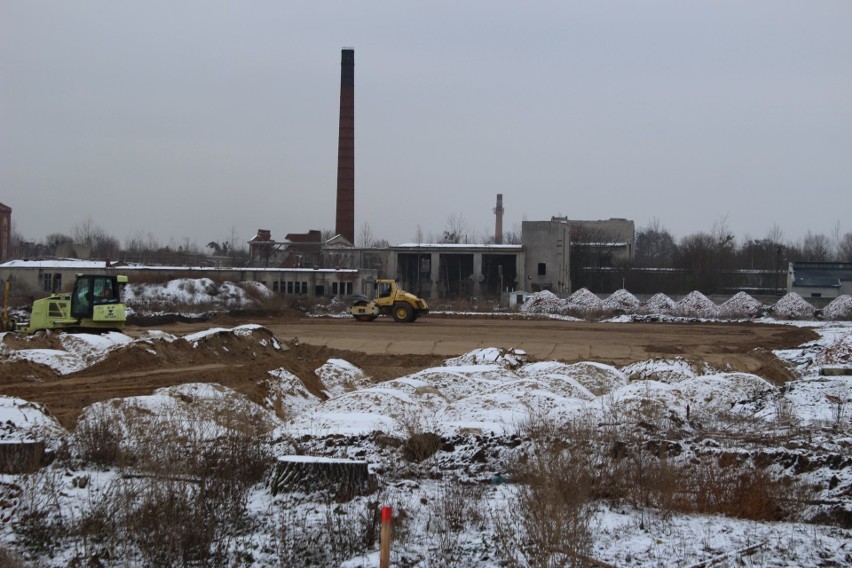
<point x="93" y="305"/>
<point x="389" y="300"/>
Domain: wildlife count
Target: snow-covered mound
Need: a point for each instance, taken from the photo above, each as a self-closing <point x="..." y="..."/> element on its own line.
<point x="643" y="400"/>
<point x="544" y="302"/>
<point x="191" y="411"/>
<point x="793" y="306"/>
<point x="597" y="378"/>
<point x="510" y="359"/>
<point x="23" y="421"/>
<point x="286" y="394"/>
<point x="665" y="370"/>
<point x="695" y="304"/>
<point x="713" y="394"/>
<point x="199" y="292"/>
<point x="839" y="308"/>
<point x="660" y="304"/>
<point x="621" y="300"/>
<point x="585" y="301"/>
<point x="740" y="305"/>
<point x="79" y="351"/>
<point x="339" y="376"/>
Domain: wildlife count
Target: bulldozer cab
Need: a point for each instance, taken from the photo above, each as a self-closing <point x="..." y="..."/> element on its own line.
<point x="92" y="290"/>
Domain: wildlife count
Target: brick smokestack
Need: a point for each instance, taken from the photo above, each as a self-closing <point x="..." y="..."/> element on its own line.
<point x="498" y="225"/>
<point x="345" y="223"/>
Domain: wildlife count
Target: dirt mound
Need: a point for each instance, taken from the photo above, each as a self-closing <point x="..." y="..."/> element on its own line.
<point x="585" y="301"/>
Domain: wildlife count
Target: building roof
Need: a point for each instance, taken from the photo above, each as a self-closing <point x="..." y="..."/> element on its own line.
<point x="459" y="246"/>
<point x="74" y="264"/>
<point x="5" y="207"/>
<point x="820" y="274"/>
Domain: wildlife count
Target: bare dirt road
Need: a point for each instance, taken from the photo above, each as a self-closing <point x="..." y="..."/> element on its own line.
<point x="385" y="349"/>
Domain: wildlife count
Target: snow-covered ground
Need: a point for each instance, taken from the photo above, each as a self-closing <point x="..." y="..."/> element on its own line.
<point x="455" y="507"/>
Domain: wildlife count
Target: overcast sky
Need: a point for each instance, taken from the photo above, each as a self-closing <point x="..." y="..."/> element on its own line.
<point x="196" y="119"/>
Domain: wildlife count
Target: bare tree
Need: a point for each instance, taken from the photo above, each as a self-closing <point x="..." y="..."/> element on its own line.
<point x="816" y="247"/>
<point x="655" y="246"/>
<point x="365" y="236"/>
<point x="457" y="229"/>
<point x="844" y="248"/>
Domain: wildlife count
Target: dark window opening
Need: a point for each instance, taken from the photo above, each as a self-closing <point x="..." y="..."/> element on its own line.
<point x="542" y="269"/>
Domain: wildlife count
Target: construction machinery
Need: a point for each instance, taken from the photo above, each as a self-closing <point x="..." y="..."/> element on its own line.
<point x="390" y="300"/>
<point x="94" y="304"/>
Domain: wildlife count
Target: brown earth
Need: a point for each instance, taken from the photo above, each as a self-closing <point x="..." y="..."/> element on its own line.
<point x="383" y="348"/>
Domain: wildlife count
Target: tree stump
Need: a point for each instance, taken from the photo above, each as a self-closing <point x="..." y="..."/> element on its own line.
<point x="343" y="478"/>
<point x="21" y="457"/>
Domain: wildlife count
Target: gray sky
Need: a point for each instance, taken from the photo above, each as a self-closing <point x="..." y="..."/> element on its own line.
<point x="190" y="119"/>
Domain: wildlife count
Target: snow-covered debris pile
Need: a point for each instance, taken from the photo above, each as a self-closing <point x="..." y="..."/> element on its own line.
<point x="339" y="376"/>
<point x="839" y="308"/>
<point x="665" y="370"/>
<point x="793" y="306"/>
<point x="507" y="358"/>
<point x="585" y="302"/>
<point x="621" y="300"/>
<point x="837" y="352"/>
<point x="660" y="304"/>
<point x="740" y="305"/>
<point x="194" y="293"/>
<point x="697" y="305"/>
<point x="213" y="337"/>
<point x="544" y="302"/>
<point x="23" y="421"/>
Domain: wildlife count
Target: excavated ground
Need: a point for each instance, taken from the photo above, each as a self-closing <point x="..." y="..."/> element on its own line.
<point x="382" y="348"/>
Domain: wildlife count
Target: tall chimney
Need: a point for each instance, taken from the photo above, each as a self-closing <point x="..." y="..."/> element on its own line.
<point x="498" y="226"/>
<point x="345" y="223"/>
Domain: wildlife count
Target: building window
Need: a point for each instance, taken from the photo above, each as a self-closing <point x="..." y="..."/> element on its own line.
<point x="334" y="288"/>
<point x="304" y="288"/>
<point x="57" y="282"/>
<point x="45" y="282"/>
<point x="542" y="269"/>
<point x="289" y="287"/>
<point x="816" y="294"/>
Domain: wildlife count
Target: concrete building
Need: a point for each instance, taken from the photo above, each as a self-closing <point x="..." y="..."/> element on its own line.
<point x="820" y="279"/>
<point x="41" y="277"/>
<point x="560" y="251"/>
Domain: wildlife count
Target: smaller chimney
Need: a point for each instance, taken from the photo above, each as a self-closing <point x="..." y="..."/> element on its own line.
<point x="498" y="226"/>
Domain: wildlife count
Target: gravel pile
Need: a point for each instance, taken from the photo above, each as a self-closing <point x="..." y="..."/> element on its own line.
<point x="697" y="305"/>
<point x="793" y="306"/>
<point x="840" y="308"/>
<point x="622" y="300"/>
<point x="740" y="305"/>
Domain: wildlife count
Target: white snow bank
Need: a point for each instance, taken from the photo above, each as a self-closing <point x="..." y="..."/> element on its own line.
<point x="286" y="394"/>
<point x="201" y="292"/>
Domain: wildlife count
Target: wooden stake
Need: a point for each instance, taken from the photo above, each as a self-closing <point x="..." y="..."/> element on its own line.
<point x="385" y="544"/>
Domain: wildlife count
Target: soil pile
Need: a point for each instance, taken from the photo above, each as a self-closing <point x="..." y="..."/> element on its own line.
<point x="621" y="300"/>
